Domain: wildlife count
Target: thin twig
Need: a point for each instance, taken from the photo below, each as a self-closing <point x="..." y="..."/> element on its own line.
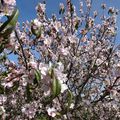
<point x="19" y="41"/>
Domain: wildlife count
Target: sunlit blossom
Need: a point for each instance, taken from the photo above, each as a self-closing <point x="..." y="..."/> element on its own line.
<point x="43" y="68"/>
<point x="51" y="112"/>
<point x="10" y="2"/>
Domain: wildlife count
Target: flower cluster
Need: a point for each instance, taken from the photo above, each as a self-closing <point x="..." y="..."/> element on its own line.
<point x="64" y="69"/>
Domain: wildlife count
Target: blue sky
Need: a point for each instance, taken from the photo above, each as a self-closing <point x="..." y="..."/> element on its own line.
<point x="27" y="8"/>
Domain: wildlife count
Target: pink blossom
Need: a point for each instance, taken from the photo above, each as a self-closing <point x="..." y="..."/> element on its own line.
<point x="33" y="64"/>
<point x="51" y="112"/>
<point x="43" y="68"/>
<point x="64" y="51"/>
<point x="10" y="2"/>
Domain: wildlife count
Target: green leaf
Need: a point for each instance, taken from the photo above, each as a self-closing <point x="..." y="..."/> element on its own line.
<point x="15" y="86"/>
<point x="51" y="72"/>
<point x="28" y="93"/>
<point x="37" y="77"/>
<point x="36" y="32"/>
<point x="7" y="32"/>
<point x="77" y="25"/>
<point x="42" y="116"/>
<point x="11" y="22"/>
<point x="56" y="87"/>
<point x="4" y="73"/>
<point x="1" y="48"/>
<point x="1" y="89"/>
<point x="69" y="98"/>
<point x="3" y="58"/>
<point x="9" y="25"/>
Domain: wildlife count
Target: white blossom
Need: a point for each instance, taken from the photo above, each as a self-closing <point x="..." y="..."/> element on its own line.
<point x="51" y="112"/>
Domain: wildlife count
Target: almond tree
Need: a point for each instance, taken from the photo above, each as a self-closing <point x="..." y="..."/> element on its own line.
<point x="65" y="68"/>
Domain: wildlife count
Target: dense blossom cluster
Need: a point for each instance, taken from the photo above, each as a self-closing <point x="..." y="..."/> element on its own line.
<point x="64" y="69"/>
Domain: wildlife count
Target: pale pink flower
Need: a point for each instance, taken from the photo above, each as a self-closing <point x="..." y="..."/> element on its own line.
<point x="111" y="30"/>
<point x="57" y="25"/>
<point x="61" y="6"/>
<point x="95" y="13"/>
<point x="41" y="7"/>
<point x="33" y="64"/>
<point x="81" y="7"/>
<point x="61" y="76"/>
<point x="114" y="93"/>
<point x="51" y="112"/>
<point x="63" y="87"/>
<point x="47" y="93"/>
<point x="47" y="41"/>
<point x="2" y="99"/>
<point x="84" y="39"/>
<point x="37" y="22"/>
<point x="72" y="105"/>
<point x="2" y="110"/>
<point x="64" y="51"/>
<point x="9" y="84"/>
<point x="10" y="2"/>
<point x="24" y="80"/>
<point x="43" y="68"/>
<point x="60" y="66"/>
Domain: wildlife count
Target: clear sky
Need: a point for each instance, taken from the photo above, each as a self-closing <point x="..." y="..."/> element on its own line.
<point x="27" y="8"/>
